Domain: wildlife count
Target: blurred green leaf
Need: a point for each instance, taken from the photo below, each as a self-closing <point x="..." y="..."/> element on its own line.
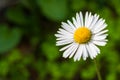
<point x="19" y="73"/>
<point x="42" y="69"/>
<point x="50" y="50"/>
<point x="16" y="15"/>
<point x="4" y="68"/>
<point x="111" y="76"/>
<point x="54" y="69"/>
<point x="26" y="3"/>
<point x="89" y="72"/>
<point x="8" y="38"/>
<point x="27" y="59"/>
<point x="34" y="41"/>
<point x="118" y="68"/>
<point x="54" y="9"/>
<point x="69" y="68"/>
<point x="78" y="4"/>
<point x="14" y="56"/>
<point x="115" y="4"/>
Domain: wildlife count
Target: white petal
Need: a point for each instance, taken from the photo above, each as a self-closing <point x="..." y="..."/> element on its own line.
<point x="75" y="22"/>
<point x="89" y="51"/>
<point x="63" y="38"/>
<point x="66" y="27"/>
<point x="68" y="51"/>
<point x="99" y="38"/>
<point x="101" y="28"/>
<point x="78" y="53"/>
<point x="90" y="21"/>
<point x="81" y="19"/>
<point x="95" y="48"/>
<point x="67" y="35"/>
<point x="85" y="53"/>
<point x="64" y="35"/>
<point x="102" y="32"/>
<point x="64" y="42"/>
<point x="78" y="20"/>
<point x="64" y="31"/>
<point x="100" y="43"/>
<point x="95" y="19"/>
<point x="86" y="18"/>
<point x="66" y="47"/>
<point x="72" y="26"/>
<point x="75" y="49"/>
<point x="99" y="23"/>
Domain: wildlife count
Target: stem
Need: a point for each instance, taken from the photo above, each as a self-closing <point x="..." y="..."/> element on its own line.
<point x="97" y="70"/>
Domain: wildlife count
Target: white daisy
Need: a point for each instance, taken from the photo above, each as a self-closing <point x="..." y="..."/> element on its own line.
<point x="81" y="38"/>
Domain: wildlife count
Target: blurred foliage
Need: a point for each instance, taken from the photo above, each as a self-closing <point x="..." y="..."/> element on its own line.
<point x="8" y="38"/>
<point x="51" y="9"/>
<point x="27" y="42"/>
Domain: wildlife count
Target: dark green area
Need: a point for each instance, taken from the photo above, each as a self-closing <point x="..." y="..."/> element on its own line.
<point x="27" y="41"/>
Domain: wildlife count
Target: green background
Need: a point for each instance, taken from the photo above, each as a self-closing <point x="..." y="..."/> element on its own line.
<point x="27" y="41"/>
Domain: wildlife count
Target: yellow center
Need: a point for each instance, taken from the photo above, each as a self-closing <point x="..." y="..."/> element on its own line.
<point x="82" y="35"/>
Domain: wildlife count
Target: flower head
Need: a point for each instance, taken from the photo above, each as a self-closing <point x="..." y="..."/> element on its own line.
<point x="81" y="38"/>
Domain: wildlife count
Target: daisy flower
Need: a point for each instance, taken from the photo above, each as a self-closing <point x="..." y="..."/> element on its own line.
<point x="82" y="37"/>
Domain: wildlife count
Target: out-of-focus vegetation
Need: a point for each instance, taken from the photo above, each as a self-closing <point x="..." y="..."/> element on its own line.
<point x="27" y="42"/>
